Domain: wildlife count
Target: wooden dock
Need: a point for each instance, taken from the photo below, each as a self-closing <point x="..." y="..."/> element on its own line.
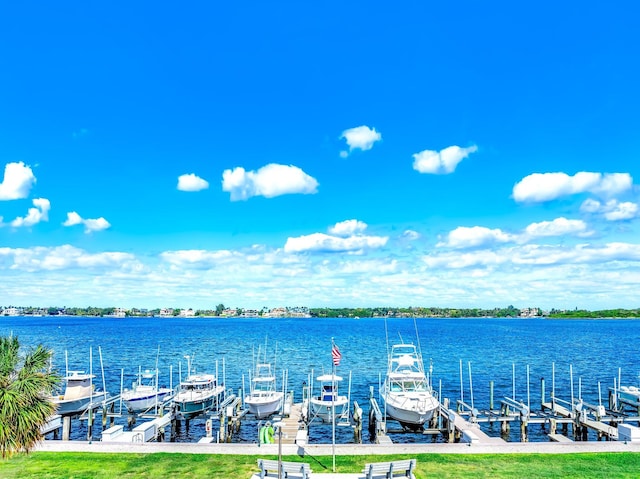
<point x="469" y="432"/>
<point x="602" y="428"/>
<point x="293" y="428"/>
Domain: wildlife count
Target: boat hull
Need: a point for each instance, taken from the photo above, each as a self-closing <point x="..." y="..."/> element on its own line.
<point x="191" y="405"/>
<point x="411" y="412"/>
<point x="69" y="407"/>
<point x="324" y="409"/>
<point x="262" y="407"/>
<point x="146" y="401"/>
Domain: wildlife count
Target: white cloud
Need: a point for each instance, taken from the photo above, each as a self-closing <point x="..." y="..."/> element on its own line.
<point x="42" y="258"/>
<point x="540" y="187"/>
<point x="73" y="218"/>
<point x="97" y="224"/>
<point x="411" y="235"/>
<point x="40" y="212"/>
<point x="18" y="180"/>
<point x="557" y="227"/>
<point x="441" y="162"/>
<point x="360" y="137"/>
<point x="476" y="236"/>
<point x="321" y="242"/>
<point x="348" y="228"/>
<point x="191" y="182"/>
<point x="269" y="181"/>
<point x="536" y="255"/>
<point x="90" y="225"/>
<point x="482" y="237"/>
<point x="612" y="210"/>
<point x="201" y="258"/>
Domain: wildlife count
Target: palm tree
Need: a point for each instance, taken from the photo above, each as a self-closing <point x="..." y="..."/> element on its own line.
<point x="25" y="384"/>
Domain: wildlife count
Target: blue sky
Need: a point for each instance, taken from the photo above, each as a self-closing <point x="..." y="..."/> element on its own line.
<point x="464" y="154"/>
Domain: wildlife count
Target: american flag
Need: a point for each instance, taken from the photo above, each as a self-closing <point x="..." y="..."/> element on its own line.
<point x="336" y="355"/>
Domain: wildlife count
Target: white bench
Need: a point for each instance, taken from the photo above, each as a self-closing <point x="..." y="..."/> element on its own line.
<point x="403" y="468"/>
<point x="299" y="469"/>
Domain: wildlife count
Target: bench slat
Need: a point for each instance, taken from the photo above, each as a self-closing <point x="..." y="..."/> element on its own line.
<point x="390" y="468"/>
<point x="300" y="468"/>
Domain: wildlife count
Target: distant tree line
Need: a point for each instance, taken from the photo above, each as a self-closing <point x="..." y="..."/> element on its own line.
<point x="391" y="312"/>
<point x="415" y="312"/>
<point x="604" y="313"/>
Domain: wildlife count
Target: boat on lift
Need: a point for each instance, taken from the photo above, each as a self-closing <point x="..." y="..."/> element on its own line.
<point x="407" y="393"/>
<point x="145" y="394"/>
<point x="197" y="394"/>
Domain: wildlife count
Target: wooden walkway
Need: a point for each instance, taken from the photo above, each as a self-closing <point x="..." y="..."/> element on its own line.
<point x="598" y="426"/>
<point x="292" y="424"/>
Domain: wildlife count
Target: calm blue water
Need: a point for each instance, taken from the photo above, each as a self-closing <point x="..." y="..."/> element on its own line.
<point x="594" y="348"/>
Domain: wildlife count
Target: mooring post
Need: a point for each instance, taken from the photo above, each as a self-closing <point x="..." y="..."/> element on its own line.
<point x="104" y="416"/>
<point x="542" y="393"/>
<point x="523" y="430"/>
<point x="490" y="395"/>
<point x="504" y="423"/>
<point x="66" y="428"/>
<point x="90" y="425"/>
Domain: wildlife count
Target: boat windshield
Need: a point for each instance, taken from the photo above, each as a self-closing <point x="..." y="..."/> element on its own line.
<point x="328" y="394"/>
<point x="408" y="386"/>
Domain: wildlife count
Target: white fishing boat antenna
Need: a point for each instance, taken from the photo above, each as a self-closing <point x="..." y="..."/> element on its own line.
<point x="90" y="376"/>
<point x="333" y="410"/>
<point x="386" y="334"/>
<point x="121" y="387"/>
<point x="275" y="364"/>
<point x="415" y="325"/>
<point x="104" y="382"/>
<point x="157" y="359"/>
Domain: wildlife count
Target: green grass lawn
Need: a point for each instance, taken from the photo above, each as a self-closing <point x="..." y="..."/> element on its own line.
<point x="52" y="465"/>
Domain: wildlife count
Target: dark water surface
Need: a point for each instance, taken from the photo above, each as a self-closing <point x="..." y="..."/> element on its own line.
<point x="594" y="349"/>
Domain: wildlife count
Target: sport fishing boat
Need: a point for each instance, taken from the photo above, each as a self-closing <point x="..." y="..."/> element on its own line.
<point x="407" y="393"/>
<point x="263" y="399"/>
<point x="145" y="393"/>
<point x="79" y="393"/>
<point x="329" y="404"/>
<point x="198" y="393"/>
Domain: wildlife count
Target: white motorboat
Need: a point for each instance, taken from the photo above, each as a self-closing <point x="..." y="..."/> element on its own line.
<point x="263" y="400"/>
<point x="198" y="393"/>
<point x="145" y="394"/>
<point x="407" y="393"/>
<point x="329" y="404"/>
<point x="79" y="393"/>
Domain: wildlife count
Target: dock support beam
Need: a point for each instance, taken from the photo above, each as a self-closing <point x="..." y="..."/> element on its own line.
<point x="66" y="428"/>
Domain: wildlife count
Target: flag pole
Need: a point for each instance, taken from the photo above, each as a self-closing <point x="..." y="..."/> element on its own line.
<point x="333" y="409"/>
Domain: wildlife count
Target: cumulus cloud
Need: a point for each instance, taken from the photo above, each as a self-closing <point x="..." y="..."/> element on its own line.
<point x="348" y="228"/>
<point x="411" y="235"/>
<point x="193" y="257"/>
<point x="191" y="182"/>
<point x="480" y="237"/>
<point x="40" y="212"/>
<point x="558" y="227"/>
<point x="475" y="237"/>
<point x="360" y="137"/>
<point x="62" y="257"/>
<point x="17" y="182"/>
<point x="441" y="162"/>
<point x="320" y="242"/>
<point x="90" y="225"/>
<point x="345" y="236"/>
<point x="73" y="218"/>
<point x="540" y="187"/>
<point x="536" y="255"/>
<point x="269" y="181"/>
<point x="612" y="210"/>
